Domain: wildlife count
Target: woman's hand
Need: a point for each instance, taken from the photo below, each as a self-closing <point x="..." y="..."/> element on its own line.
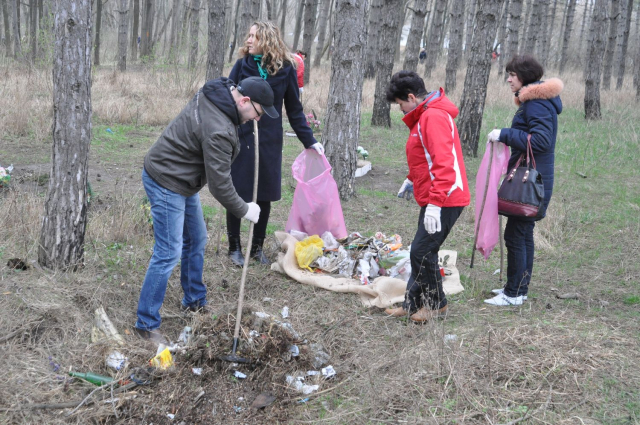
<point x="494" y="135"/>
<point x="318" y="148"/>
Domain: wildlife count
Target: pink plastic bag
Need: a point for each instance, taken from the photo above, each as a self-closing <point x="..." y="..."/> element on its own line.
<point x="316" y="203"/>
<point x="488" y="231"/>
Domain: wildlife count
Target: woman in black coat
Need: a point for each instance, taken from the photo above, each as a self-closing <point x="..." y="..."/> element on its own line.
<point x="265" y="55"/>
<point x="538" y="107"/>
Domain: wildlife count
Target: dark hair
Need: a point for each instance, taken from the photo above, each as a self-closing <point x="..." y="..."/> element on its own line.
<point x="526" y="67"/>
<point x="404" y="83"/>
<point x="301" y="52"/>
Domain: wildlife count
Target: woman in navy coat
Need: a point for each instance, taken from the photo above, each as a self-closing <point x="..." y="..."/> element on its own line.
<point x="538" y="107"/>
<point x="265" y="55"/>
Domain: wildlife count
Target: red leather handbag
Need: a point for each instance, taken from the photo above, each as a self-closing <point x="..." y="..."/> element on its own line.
<point x="522" y="191"/>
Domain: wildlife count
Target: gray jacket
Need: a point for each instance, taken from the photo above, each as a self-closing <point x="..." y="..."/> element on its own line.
<point x="198" y="147"/>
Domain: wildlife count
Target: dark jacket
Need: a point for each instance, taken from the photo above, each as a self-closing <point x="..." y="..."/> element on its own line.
<point x="539" y="106"/>
<point x="285" y="90"/>
<point x="198" y="147"/>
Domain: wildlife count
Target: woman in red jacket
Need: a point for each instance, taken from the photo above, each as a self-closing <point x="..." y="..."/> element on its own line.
<point x="437" y="172"/>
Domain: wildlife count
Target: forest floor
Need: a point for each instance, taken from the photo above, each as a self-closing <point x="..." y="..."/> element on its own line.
<point x="551" y="360"/>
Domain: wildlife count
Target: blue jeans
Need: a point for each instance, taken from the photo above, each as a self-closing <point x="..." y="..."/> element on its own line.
<point x="518" y="238"/>
<point x="180" y="234"/>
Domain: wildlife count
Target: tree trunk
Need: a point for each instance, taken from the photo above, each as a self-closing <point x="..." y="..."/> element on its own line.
<point x="515" y="10"/>
<point x="571" y="8"/>
<point x="310" y="9"/>
<point x="595" y="55"/>
<point x="611" y="44"/>
<point x="215" y="49"/>
<point x="247" y="18"/>
<point x="267" y="3"/>
<point x="455" y="45"/>
<point x="404" y="16"/>
<point x="96" y="51"/>
<point x="582" y="27"/>
<point x="17" y="45"/>
<point x="471" y="16"/>
<point x="173" y="37"/>
<point x="391" y="16"/>
<point x="625" y="27"/>
<point x="542" y="47"/>
<point x="375" y="15"/>
<point x="135" y="30"/>
<point x="33" y="29"/>
<point x="636" y="61"/>
<point x="412" y="49"/>
<point x="435" y="41"/>
<point x="283" y="17"/>
<point x="501" y="40"/>
<point x="123" y="29"/>
<point x="322" y="30"/>
<point x="193" y="36"/>
<point x="533" y="28"/>
<point x="342" y="127"/>
<point x="298" y="27"/>
<point x="65" y="216"/>
<point x="146" y="45"/>
<point x="236" y="23"/>
<point x="478" y="70"/>
<point x="7" y="32"/>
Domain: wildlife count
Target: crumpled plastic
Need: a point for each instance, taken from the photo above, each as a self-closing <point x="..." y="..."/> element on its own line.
<point x="308" y="250"/>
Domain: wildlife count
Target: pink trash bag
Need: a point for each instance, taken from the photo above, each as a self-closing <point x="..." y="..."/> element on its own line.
<point x="316" y="203"/>
<point x="488" y="230"/>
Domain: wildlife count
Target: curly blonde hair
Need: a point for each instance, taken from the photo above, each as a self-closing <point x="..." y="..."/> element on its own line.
<point x="275" y="53"/>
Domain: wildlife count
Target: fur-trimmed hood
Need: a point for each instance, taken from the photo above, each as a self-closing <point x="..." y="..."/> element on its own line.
<point x="540" y="90"/>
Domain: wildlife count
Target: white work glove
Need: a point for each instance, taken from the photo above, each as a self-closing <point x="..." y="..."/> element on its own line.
<point x="407" y="185"/>
<point x="494" y="135"/>
<point x="253" y="213"/>
<point x="432" y="219"/>
<point x="318" y="148"/>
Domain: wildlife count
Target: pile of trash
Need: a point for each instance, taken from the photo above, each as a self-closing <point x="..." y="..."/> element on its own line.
<point x="356" y="256"/>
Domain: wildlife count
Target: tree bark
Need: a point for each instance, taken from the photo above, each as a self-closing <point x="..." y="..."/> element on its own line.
<point x="247" y="17"/>
<point x="542" y="47"/>
<point x="412" y="49"/>
<point x="96" y="51"/>
<point x="502" y="36"/>
<point x="582" y="27"/>
<point x="372" y="38"/>
<point x="17" y="45"/>
<point x="310" y="9"/>
<point x="391" y="16"/>
<point x="478" y="70"/>
<point x="146" y="45"/>
<point x="470" y="22"/>
<point x="435" y="41"/>
<point x="611" y="44"/>
<point x="7" y="32"/>
<point x="595" y="55"/>
<point x="515" y="10"/>
<point x="236" y="22"/>
<point x="33" y="29"/>
<point x="193" y="36"/>
<point x="533" y="28"/>
<point x="342" y="127"/>
<point x="571" y="8"/>
<point x="455" y="45"/>
<point x="135" y="30"/>
<point x="636" y="61"/>
<point x="123" y="29"/>
<point x="625" y="27"/>
<point x="322" y="30"/>
<point x="283" y="17"/>
<point x="215" y="49"/>
<point x="65" y="216"/>
<point x="298" y="27"/>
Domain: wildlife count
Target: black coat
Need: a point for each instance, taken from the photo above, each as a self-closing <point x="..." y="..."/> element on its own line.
<point x="285" y="90"/>
<point x="539" y="106"/>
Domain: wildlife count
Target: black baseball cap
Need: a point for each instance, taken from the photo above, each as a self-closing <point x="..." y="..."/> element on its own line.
<point x="260" y="92"/>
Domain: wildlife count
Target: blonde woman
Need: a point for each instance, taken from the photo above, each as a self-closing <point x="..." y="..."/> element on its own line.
<point x="265" y="55"/>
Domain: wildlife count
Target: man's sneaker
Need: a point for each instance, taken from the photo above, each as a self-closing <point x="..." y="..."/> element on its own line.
<point x="153" y="335"/>
<point x="503" y="300"/>
<point x="501" y="291"/>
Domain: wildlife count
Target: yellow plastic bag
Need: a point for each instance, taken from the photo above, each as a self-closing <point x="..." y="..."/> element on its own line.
<point x="308" y="250"/>
<point x="162" y="360"/>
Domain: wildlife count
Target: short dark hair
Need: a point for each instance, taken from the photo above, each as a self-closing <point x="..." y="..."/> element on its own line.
<point x="404" y="83"/>
<point x="301" y="52"/>
<point x="526" y="67"/>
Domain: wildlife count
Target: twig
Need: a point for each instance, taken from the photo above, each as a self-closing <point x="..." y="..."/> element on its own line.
<point x="89" y="396"/>
<point x="20" y="329"/>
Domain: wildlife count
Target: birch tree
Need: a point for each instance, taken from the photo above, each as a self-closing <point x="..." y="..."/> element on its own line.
<point x="96" y="49"/>
<point x="593" y="64"/>
<point x="611" y="44"/>
<point x="435" y="40"/>
<point x="7" y="31"/>
<point x="375" y="16"/>
<point x="215" y="49"/>
<point x="455" y="45"/>
<point x="135" y="29"/>
<point x="193" y="34"/>
<point x="65" y="211"/>
<point x="571" y="8"/>
<point x="325" y="9"/>
<point x="310" y="12"/>
<point x="625" y="27"/>
<point x="298" y="28"/>
<point x="412" y="49"/>
<point x="342" y="126"/>
<point x="515" y="22"/>
<point x="123" y="28"/>
<point x="17" y="45"/>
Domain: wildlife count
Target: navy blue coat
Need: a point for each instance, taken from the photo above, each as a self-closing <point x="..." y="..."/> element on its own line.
<point x="539" y="105"/>
<point x="270" y="132"/>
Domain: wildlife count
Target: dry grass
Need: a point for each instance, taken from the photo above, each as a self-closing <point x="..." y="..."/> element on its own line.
<point x="551" y="361"/>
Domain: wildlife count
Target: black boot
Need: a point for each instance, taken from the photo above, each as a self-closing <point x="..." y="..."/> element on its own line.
<point x="256" y="251"/>
<point x="235" y="251"/>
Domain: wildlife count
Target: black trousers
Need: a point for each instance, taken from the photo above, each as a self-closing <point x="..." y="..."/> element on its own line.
<point x="259" y="229"/>
<point x="424" y="288"/>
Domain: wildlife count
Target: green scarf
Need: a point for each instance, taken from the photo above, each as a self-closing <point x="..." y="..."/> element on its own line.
<point x="261" y="70"/>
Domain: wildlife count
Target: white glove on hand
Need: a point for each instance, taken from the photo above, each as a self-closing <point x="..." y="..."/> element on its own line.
<point x="253" y="213"/>
<point x="494" y="135"/>
<point x="432" y="219"/>
<point x="406" y="185"/>
<point x="318" y="148"/>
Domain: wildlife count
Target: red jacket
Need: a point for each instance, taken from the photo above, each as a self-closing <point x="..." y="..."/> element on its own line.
<point x="299" y="69"/>
<point x="434" y="154"/>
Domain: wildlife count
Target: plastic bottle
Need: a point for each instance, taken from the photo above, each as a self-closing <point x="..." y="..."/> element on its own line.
<point x="94" y="378"/>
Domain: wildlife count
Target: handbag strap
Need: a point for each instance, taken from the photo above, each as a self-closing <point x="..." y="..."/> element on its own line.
<point x="530" y="153"/>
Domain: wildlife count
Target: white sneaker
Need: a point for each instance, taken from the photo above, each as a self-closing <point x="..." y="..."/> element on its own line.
<point x="501" y="291"/>
<point x="503" y="300"/>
